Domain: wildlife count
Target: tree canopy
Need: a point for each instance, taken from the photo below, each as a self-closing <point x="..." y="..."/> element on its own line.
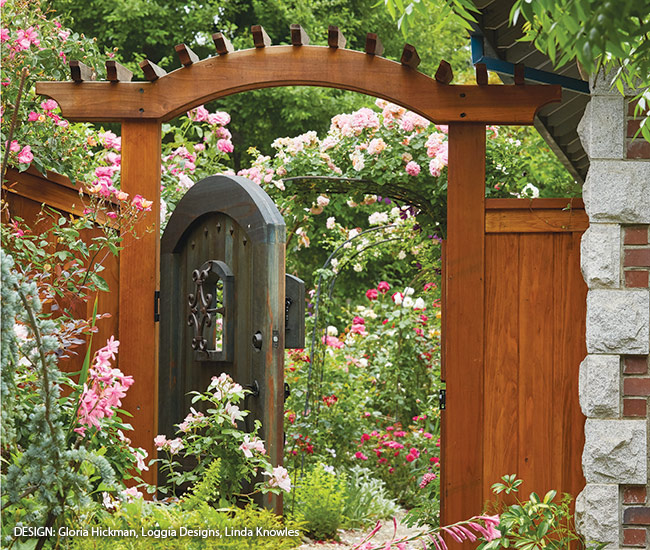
<point x="139" y="29"/>
<point x="600" y="35"/>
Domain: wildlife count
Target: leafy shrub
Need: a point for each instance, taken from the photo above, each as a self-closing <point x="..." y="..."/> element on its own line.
<point x="320" y="501"/>
<point x="219" y="448"/>
<point x="366" y="498"/>
<point x="538" y="522"/>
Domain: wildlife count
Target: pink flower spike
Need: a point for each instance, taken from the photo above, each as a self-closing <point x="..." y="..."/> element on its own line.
<point x="443" y="545"/>
<point x="452" y="531"/>
<point x="471" y="536"/>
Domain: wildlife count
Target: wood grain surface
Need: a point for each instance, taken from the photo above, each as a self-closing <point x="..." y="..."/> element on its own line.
<point x="274" y="66"/>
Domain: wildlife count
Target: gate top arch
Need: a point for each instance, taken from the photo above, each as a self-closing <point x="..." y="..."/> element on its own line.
<point x="169" y="95"/>
<point x="141" y="107"/>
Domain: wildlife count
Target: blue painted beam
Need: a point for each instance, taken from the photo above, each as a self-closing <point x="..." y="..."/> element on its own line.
<point x="504" y="67"/>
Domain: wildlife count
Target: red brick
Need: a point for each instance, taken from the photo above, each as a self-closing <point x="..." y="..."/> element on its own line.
<point x="636" y="234"/>
<point x="635" y="407"/>
<point x="631" y="106"/>
<point x="638" y="149"/>
<point x="637" y="279"/>
<point x="634" y="537"/>
<point x="636" y="386"/>
<point x="637" y="257"/>
<point x="635" y="364"/>
<point x="634" y="495"/>
<point x="632" y="127"/>
<point x="636" y="516"/>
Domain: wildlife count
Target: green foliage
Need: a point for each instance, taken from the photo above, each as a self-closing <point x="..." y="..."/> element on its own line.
<point x="539" y="522"/>
<point x="223" y="456"/>
<point x="55" y="144"/>
<point x="320" y="501"/>
<point x="520" y="163"/>
<point x="597" y="34"/>
<point x="366" y="498"/>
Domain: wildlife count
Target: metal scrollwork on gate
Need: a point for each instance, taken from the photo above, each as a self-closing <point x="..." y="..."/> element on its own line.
<point x="211" y="310"/>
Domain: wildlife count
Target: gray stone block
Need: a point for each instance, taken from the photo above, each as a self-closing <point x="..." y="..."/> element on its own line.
<point x="597" y="514"/>
<point x="615" y="451"/>
<point x="618" y="191"/>
<point x="602" y="128"/>
<point x="618" y="322"/>
<point x="600" y="255"/>
<point x="600" y="386"/>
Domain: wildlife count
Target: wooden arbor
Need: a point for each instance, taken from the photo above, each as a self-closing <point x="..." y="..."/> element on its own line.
<point x="141" y="107"/>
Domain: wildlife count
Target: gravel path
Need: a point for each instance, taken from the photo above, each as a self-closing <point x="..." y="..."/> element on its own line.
<point x="352" y="537"/>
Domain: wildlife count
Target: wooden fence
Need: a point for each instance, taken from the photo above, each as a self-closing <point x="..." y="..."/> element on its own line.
<point x="533" y="343"/>
<point x="25" y="194"/>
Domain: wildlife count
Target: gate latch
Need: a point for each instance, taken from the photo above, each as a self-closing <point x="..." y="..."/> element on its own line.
<point x="294" y="313"/>
<point x="442" y="398"/>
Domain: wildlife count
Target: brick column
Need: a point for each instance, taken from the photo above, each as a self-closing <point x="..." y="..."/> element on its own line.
<point x="614" y="380"/>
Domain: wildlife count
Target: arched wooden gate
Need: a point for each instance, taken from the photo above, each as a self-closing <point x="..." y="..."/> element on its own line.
<point x="141" y="107"/>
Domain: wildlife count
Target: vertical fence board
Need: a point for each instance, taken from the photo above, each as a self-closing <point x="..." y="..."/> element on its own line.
<point x="501" y="357"/>
<point x="535" y="361"/>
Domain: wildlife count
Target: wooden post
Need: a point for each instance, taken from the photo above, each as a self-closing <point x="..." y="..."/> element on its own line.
<point x="139" y="279"/>
<point x="462" y="477"/>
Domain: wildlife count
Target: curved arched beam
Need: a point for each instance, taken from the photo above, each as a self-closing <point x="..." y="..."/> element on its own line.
<point x="245" y="70"/>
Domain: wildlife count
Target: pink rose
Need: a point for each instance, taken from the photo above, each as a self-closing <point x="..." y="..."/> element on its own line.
<point x="49" y="105"/>
<point x="4" y="35"/>
<point x="14" y="147"/>
<point x="225" y="146"/>
<point x="219" y="118"/>
<point x="200" y="114"/>
<point x="412" y="168"/>
<point x="25" y="156"/>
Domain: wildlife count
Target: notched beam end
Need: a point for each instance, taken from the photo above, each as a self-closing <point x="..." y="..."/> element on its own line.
<point x="298" y="36"/>
<point x="185" y="55"/>
<point x="80" y="72"/>
<point x="222" y="44"/>
<point x="151" y="71"/>
<point x="373" y="44"/>
<point x="335" y="38"/>
<point x="410" y="56"/>
<point x="117" y="73"/>
<point x="519" y="74"/>
<point x="481" y="74"/>
<point x="444" y="74"/>
<point x="260" y="38"/>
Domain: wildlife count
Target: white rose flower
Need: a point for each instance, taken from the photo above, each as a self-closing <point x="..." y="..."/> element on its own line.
<point x="407" y="302"/>
<point x="332" y="331"/>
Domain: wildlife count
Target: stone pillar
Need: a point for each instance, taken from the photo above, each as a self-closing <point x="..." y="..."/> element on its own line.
<point x="614" y="378"/>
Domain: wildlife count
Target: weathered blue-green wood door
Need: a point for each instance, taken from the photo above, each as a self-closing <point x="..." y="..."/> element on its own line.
<point x="226" y="228"/>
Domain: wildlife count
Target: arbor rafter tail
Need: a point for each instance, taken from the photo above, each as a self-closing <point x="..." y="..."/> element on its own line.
<point x="273" y="66"/>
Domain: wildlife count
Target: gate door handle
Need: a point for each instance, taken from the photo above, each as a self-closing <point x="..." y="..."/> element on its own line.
<point x="211" y="311"/>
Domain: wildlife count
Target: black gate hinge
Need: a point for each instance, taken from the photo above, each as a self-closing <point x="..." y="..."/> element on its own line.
<point x="156" y="306"/>
<point x="442" y="398"/>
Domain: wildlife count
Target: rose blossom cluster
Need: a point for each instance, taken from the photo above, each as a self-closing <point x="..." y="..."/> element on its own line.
<point x="173" y="446"/>
<point x="104" y="389"/>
